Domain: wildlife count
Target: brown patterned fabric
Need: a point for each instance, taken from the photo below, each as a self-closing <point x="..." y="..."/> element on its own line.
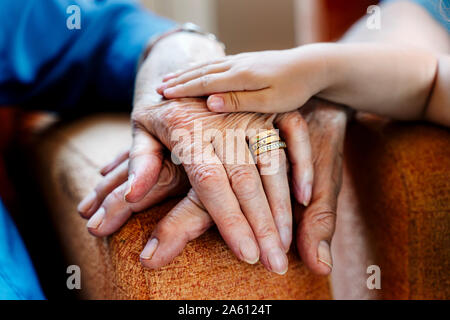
<point x="70" y="157"/>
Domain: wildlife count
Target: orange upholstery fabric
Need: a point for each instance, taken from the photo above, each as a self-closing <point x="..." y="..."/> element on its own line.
<point x="69" y="159"/>
<point x="401" y="176"/>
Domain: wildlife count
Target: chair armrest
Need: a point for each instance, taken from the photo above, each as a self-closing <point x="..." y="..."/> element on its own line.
<point x="400" y="174"/>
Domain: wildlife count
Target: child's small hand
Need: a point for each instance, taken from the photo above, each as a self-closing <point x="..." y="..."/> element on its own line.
<point x="268" y="81"/>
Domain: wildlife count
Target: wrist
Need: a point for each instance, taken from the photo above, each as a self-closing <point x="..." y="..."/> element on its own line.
<point x="320" y="59"/>
<point x="169" y="54"/>
<point x="337" y="63"/>
<point x="186" y="30"/>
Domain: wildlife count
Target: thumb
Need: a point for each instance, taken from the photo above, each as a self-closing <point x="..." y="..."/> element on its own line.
<point x="314" y="234"/>
<point x="144" y="165"/>
<point x="237" y="101"/>
<point x="316" y="223"/>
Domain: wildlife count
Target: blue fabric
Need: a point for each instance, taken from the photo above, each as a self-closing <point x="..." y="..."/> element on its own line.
<point x="17" y="277"/>
<point x="44" y="64"/>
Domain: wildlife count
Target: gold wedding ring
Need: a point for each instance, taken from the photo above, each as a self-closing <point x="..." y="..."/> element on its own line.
<point x="262" y="135"/>
<point x="270" y="147"/>
<point x="266" y="141"/>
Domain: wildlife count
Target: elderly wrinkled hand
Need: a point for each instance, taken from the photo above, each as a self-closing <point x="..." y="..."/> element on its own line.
<point x="252" y="211"/>
<point x="189" y="219"/>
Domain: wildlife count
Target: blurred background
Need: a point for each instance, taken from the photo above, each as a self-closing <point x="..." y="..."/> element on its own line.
<point x="254" y="25"/>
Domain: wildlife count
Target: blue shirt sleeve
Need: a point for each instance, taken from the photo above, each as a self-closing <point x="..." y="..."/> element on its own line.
<point x="45" y="64"/>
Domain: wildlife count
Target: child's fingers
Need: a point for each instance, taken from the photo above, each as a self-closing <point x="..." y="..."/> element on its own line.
<point x="205" y="85"/>
<point x="192" y="75"/>
<point x="238" y="101"/>
<point x="194" y="66"/>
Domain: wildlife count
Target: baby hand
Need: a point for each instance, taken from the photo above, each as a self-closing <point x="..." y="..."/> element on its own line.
<point x="267" y="81"/>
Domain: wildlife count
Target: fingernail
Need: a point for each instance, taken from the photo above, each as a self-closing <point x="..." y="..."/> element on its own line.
<point x="161" y="87"/>
<point x="96" y="219"/>
<point x="324" y="254"/>
<point x="278" y="261"/>
<point x="306" y="193"/>
<point x="87" y="202"/>
<point x="249" y="251"/>
<point x="285" y="235"/>
<point x="130" y="185"/>
<point x="169" y="91"/>
<point x="216" y="103"/>
<point x="149" y="249"/>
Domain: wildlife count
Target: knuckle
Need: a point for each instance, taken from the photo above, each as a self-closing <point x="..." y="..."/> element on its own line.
<point x="265" y="230"/>
<point x="234" y="101"/>
<point x="167" y="226"/>
<point x="205" y="81"/>
<point x="296" y="121"/>
<point x="282" y="212"/>
<point x="192" y="213"/>
<point x="116" y="195"/>
<point x="324" y="220"/>
<point x="232" y="221"/>
<point x="245" y="182"/>
<point x="101" y="187"/>
<point x="178" y="114"/>
<point x="207" y="176"/>
<point x="245" y="72"/>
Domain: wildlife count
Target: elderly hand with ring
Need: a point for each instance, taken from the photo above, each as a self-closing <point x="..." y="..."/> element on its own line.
<point x="252" y="211"/>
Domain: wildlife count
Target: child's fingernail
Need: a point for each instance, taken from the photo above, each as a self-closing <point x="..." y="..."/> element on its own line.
<point x="130" y="185"/>
<point x="87" y="202"/>
<point x="162" y="87"/>
<point x="149" y="249"/>
<point x="96" y="219"/>
<point x="324" y="254"/>
<point x="216" y="103"/>
<point x="169" y="91"/>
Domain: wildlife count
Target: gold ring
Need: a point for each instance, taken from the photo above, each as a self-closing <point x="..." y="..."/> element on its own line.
<point x="262" y="135"/>
<point x="270" y="147"/>
<point x="264" y="141"/>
